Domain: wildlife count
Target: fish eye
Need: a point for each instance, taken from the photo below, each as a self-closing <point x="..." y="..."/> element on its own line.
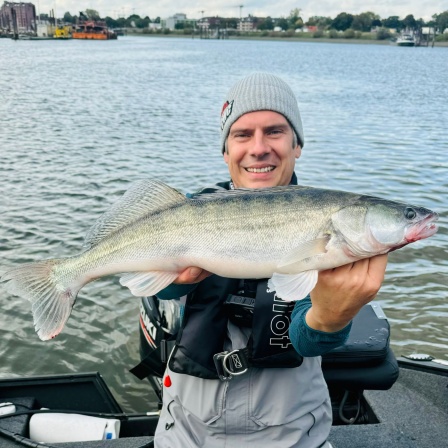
<point x="410" y="213"/>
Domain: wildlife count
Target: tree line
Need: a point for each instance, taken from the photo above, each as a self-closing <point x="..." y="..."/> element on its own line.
<point x="362" y="22"/>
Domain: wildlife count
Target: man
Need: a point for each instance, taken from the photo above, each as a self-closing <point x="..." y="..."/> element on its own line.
<point x="270" y="394"/>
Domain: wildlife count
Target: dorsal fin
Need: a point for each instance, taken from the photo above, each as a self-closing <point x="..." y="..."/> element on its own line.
<point x="221" y="192"/>
<point x="141" y="198"/>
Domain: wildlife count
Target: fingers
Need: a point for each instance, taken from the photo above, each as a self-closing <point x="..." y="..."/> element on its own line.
<point x="341" y="292"/>
<point x="191" y="275"/>
<point x="371" y="273"/>
<point x="377" y="267"/>
<point x="361" y="279"/>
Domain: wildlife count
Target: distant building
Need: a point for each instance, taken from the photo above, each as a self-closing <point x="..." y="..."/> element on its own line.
<point x="429" y="30"/>
<point x="310" y="29"/>
<point x="23" y="13"/>
<point x="247" y="24"/>
<point x="44" y="29"/>
<point x="208" y="23"/>
<point x="172" y="21"/>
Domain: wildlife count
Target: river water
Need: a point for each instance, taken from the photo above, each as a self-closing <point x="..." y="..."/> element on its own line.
<point x="81" y="120"/>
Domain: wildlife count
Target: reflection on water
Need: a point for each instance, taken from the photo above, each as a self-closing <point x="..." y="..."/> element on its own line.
<point x="82" y="120"/>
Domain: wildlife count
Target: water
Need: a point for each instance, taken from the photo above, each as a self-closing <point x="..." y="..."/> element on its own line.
<point x="82" y="120"/>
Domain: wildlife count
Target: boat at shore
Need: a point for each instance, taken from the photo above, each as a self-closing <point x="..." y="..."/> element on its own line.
<point x="405" y="40"/>
<point x="63" y="32"/>
<point x="91" y="29"/>
<point x="378" y="400"/>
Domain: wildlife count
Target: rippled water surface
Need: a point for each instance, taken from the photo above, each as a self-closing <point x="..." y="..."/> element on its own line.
<point x="80" y="121"/>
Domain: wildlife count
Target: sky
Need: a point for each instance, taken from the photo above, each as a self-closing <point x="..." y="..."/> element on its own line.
<point x="195" y="9"/>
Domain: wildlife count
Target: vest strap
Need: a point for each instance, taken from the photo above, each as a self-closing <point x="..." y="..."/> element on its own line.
<point x="146" y="366"/>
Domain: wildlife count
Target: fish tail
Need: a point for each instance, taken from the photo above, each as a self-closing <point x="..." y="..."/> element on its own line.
<point x="51" y="300"/>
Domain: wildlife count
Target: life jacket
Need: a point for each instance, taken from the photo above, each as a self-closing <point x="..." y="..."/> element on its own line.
<point x="204" y="329"/>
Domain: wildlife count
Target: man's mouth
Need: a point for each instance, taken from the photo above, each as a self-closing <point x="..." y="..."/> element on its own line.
<point x="265" y="169"/>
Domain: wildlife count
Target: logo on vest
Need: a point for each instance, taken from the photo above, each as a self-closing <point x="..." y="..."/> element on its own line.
<point x="225" y="112"/>
<point x="280" y="322"/>
<point x="236" y="361"/>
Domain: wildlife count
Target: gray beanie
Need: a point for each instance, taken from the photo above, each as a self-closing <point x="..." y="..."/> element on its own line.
<point x="260" y="91"/>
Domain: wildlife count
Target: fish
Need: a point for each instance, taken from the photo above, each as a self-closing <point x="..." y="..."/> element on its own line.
<point x="286" y="234"/>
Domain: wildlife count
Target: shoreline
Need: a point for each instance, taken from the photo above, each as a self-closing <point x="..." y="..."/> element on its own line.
<point x="286" y="39"/>
<point x="333" y="41"/>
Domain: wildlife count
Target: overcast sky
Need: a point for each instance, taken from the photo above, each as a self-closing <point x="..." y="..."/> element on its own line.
<point x="231" y="8"/>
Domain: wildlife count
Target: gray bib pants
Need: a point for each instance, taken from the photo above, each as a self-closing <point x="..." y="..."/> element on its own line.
<point x="275" y="408"/>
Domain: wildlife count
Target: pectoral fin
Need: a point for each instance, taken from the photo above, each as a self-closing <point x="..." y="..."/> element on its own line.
<point x="147" y="283"/>
<point x="305" y="250"/>
<point x="291" y="287"/>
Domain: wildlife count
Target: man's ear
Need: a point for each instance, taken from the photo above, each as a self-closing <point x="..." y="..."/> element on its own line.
<point x="297" y="151"/>
<point x="226" y="156"/>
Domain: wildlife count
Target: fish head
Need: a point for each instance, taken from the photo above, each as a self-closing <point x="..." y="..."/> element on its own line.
<point x="395" y="225"/>
<point x="375" y="226"/>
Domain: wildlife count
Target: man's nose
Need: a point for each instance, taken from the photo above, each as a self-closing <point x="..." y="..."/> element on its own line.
<point x="260" y="145"/>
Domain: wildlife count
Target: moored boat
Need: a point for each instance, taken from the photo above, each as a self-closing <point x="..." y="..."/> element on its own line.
<point x="62" y="32"/>
<point x="405" y="40"/>
<point x="91" y="29"/>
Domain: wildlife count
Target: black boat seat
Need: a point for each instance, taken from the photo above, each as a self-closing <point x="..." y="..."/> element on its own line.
<point x="365" y="361"/>
<point x="358" y="377"/>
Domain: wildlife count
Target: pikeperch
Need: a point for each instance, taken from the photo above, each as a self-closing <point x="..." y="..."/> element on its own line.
<point x="286" y="234"/>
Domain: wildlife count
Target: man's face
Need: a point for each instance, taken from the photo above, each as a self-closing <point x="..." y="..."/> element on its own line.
<point x="259" y="150"/>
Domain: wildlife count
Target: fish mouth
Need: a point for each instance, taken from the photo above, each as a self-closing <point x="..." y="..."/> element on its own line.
<point x="423" y="229"/>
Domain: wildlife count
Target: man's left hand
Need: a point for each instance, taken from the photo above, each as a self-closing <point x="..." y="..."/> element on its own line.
<point x="341" y="292"/>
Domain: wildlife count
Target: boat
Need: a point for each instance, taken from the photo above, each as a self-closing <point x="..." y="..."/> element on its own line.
<point x="378" y="399"/>
<point x="91" y="29"/>
<point x="63" y="32"/>
<point x="24" y="37"/>
<point x="405" y="40"/>
<point x="120" y="31"/>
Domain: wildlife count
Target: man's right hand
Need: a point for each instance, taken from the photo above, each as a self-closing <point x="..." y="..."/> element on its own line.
<point x="191" y="275"/>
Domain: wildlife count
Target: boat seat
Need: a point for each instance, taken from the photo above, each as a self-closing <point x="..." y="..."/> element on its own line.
<point x="358" y="377"/>
<point x="365" y="361"/>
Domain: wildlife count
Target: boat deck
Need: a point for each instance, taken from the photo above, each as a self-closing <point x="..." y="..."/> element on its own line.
<point x="412" y="414"/>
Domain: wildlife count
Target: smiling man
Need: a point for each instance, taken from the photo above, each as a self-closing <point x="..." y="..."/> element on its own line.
<point x="261" y="150"/>
<point x="262" y="132"/>
<point x="245" y="371"/>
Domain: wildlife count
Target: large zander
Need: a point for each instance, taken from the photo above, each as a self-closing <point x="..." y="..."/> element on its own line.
<point x="286" y="234"/>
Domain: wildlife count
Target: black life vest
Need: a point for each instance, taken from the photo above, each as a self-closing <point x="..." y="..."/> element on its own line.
<point x="204" y="329"/>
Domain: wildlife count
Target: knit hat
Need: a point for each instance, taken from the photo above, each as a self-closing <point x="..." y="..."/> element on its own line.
<point x="260" y="91"/>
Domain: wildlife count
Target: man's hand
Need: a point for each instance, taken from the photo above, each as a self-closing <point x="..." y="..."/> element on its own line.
<point x="191" y="275"/>
<point x="341" y="292"/>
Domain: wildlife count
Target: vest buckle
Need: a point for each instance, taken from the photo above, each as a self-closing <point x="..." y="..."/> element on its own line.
<point x="230" y="364"/>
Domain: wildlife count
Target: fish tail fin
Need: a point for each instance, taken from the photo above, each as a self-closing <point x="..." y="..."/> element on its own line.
<point x="51" y="300"/>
